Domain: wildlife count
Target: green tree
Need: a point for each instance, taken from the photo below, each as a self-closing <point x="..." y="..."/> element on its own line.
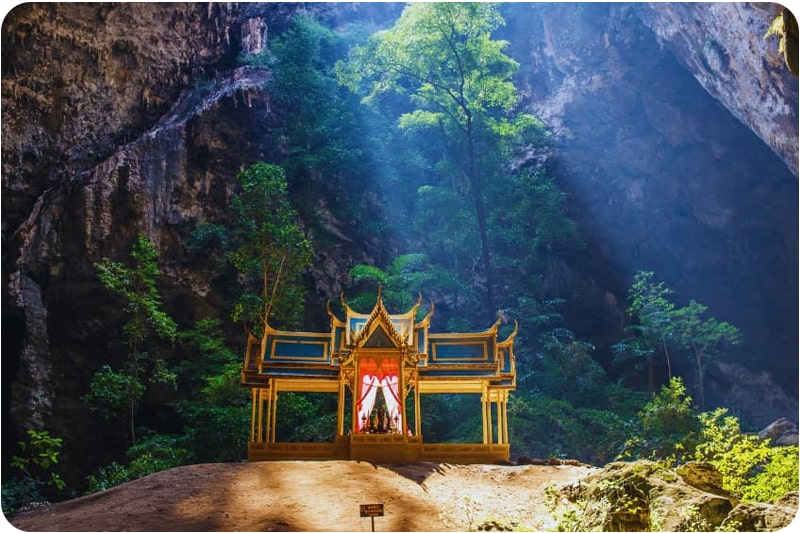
<point x="667" y="428"/>
<point x="404" y="279"/>
<point x="153" y="453"/>
<point x="216" y="408"/>
<point x="269" y="251"/>
<point x="458" y="80"/>
<point x="318" y="130"/>
<point x="329" y="146"/>
<point x="703" y="337"/>
<point x="113" y="390"/>
<point x="650" y="305"/>
<point x="568" y="370"/>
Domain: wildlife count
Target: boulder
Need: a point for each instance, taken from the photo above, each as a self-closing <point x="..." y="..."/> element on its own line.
<point x="782" y="432"/>
<point x="702" y="476"/>
<point x="762" y="516"/>
<point x="646" y="496"/>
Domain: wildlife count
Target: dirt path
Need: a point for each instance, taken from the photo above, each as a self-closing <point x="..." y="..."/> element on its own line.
<point x="313" y="496"/>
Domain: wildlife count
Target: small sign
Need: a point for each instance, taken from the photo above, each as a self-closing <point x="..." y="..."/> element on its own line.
<point x="371" y="509"/>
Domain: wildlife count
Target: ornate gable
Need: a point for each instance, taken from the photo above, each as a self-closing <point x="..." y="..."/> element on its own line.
<point x="379" y="327"/>
<point x="379" y="339"/>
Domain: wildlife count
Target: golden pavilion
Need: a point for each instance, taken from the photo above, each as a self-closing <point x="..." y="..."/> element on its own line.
<point x="380" y="365"/>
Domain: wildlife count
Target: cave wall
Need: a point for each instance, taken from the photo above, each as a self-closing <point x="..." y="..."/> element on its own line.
<point x="148" y="139"/>
<point x="663" y="161"/>
<point x="120" y="118"/>
<point x="725" y="47"/>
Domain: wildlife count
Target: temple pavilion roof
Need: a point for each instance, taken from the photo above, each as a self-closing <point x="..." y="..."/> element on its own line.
<point x="443" y="360"/>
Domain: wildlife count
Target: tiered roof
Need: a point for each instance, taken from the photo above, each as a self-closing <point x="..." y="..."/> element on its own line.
<point x="443" y="357"/>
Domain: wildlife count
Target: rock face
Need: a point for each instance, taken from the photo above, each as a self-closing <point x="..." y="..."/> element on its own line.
<point x="151" y="130"/>
<point x="643" y="496"/>
<point x="121" y="118"/>
<point x="723" y="46"/>
<point x="664" y="176"/>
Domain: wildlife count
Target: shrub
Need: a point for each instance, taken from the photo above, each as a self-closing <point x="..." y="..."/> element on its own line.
<point x="34" y="465"/>
<point x="153" y="454"/>
<point x="668" y="427"/>
<point x="750" y="468"/>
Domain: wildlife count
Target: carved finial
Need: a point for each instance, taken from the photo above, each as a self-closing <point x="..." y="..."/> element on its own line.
<point x="330" y="311"/>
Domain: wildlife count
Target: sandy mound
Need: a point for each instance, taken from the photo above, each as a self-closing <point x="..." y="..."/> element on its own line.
<point x="313" y="496"/>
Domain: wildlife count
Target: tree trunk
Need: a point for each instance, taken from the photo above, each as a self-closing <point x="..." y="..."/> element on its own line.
<point x="700" y="380"/>
<point x="480" y="210"/>
<point x="666" y="354"/>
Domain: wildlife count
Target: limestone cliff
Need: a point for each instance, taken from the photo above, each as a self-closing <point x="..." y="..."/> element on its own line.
<point x="725" y="47"/>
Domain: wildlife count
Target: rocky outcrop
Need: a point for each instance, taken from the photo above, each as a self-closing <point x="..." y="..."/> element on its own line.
<point x="754" y="397"/>
<point x="645" y="496"/>
<point x="762" y="516"/>
<point x="725" y="48"/>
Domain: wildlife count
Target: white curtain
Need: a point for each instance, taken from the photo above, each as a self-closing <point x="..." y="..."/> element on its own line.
<point x="390" y="388"/>
<point x="368" y="393"/>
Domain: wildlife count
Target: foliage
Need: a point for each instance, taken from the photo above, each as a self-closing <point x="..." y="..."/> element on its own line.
<point x="671" y="430"/>
<point x="543" y="427"/>
<point x="269" y="251"/>
<point x="137" y="287"/>
<point x="306" y="417"/>
<point x="570" y="372"/>
<point x="457" y="80"/>
<point x="751" y="469"/>
<point x="534" y="224"/>
<point x="649" y="303"/>
<point x="668" y="426"/>
<point x="777" y="476"/>
<point x="154" y="453"/>
<point x="703" y="336"/>
<point x="113" y="391"/>
<point x="662" y="324"/>
<point x="332" y="149"/>
<point x="304" y="89"/>
<point x="451" y="417"/>
<point x="34" y="464"/>
<point x="406" y="277"/>
<point x="784" y="26"/>
<point x="216" y="410"/>
<point x="18" y="493"/>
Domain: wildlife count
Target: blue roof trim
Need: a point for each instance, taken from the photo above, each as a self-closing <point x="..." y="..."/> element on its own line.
<point x="461" y="351"/>
<point x="298" y="349"/>
<point x="439" y="372"/>
<point x="300" y="372"/>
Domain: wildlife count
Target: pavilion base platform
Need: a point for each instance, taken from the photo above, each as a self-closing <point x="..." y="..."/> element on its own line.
<point x="380" y="449"/>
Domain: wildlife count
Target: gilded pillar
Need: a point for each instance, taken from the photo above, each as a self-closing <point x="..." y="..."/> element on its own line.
<point x="340" y="408"/>
<point x="273" y="412"/>
<point x="260" y="415"/>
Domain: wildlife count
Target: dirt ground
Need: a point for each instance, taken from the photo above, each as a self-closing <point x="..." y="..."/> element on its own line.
<point x="313" y="496"/>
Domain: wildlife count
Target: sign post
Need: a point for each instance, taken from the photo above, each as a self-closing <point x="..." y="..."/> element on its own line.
<point x="371" y="510"/>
